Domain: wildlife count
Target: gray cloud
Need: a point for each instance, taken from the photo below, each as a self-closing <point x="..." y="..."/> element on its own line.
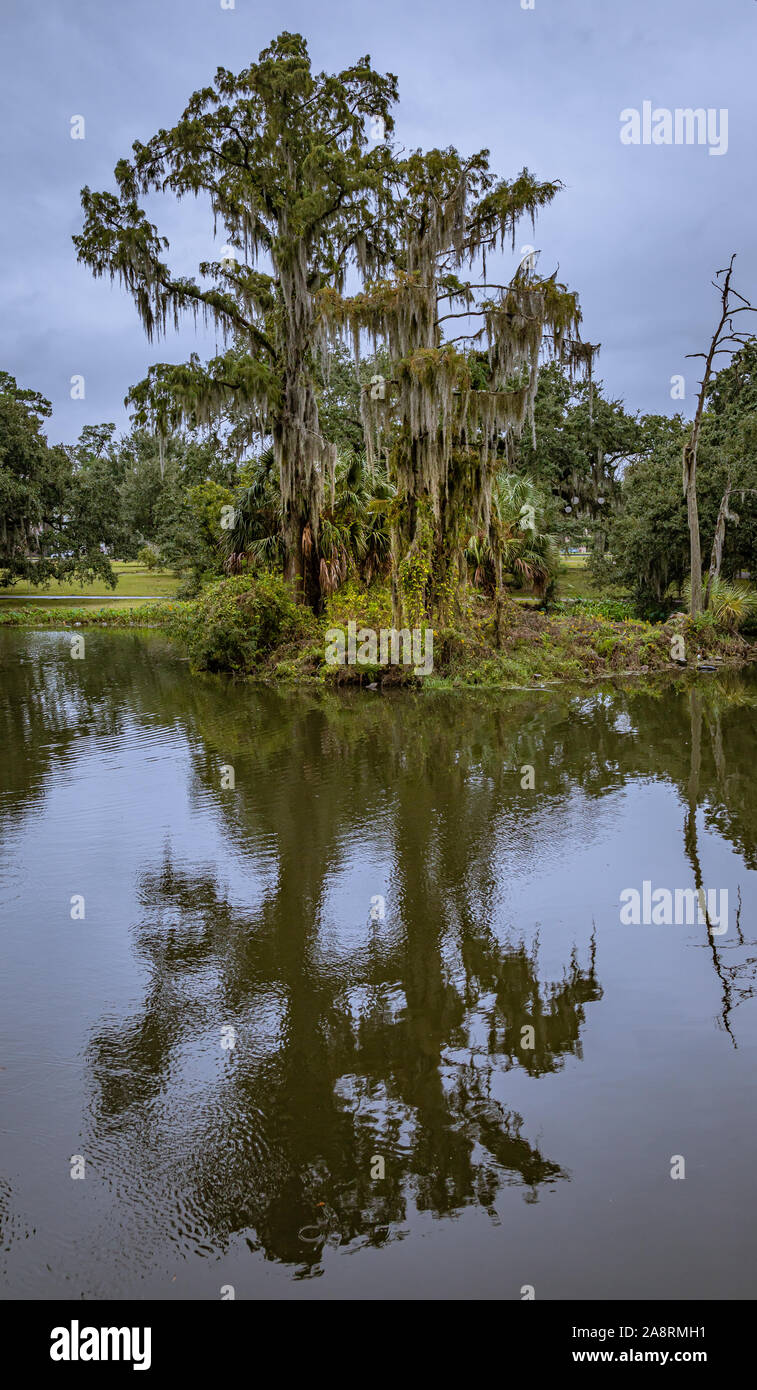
<point x="638" y="230"/>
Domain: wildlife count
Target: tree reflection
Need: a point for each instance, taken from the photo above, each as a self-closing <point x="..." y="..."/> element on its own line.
<point x="398" y="1046"/>
<point x="736" y="977"/>
<point x="283" y="1136"/>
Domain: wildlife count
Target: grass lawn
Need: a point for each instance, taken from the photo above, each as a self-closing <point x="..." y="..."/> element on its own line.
<point x="134" y="581"/>
<point x="573" y="580"/>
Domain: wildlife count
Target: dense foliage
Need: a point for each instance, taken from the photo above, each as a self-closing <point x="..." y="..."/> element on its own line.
<point x="648" y="540"/>
<point x="237" y="622"/>
<point x="58" y="512"/>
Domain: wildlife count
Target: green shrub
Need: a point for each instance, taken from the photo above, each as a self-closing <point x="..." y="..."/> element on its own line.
<point x="704" y="622"/>
<point x="190" y="586"/>
<point x="732" y="605"/>
<point x="371" y="607"/>
<point x="148" y="557"/>
<point x="237" y="623"/>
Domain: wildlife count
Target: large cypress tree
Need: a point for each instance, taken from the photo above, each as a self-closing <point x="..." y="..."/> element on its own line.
<point x="285" y="159"/>
<point x="454" y="400"/>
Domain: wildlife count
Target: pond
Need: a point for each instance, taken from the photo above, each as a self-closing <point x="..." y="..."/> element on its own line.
<point x="309" y="995"/>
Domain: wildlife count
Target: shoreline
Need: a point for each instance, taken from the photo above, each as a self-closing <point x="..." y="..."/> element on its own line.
<point x="543" y="654"/>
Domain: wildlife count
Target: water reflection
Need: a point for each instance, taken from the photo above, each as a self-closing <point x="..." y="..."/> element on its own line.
<point x="331" y="1069"/>
<point x="356" y="1038"/>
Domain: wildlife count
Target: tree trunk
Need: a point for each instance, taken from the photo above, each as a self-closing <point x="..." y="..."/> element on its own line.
<point x="499" y="598"/>
<point x="394" y="547"/>
<point x="716" y="559"/>
<point x="695" y="546"/>
<point x="294" y="563"/>
<point x="461" y="588"/>
<point x="725" y="333"/>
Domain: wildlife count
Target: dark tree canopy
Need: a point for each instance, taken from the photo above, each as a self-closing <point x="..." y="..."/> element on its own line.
<point x="58" y="508"/>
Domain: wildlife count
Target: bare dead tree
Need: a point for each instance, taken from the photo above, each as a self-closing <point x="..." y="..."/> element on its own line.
<point x="725" y="339"/>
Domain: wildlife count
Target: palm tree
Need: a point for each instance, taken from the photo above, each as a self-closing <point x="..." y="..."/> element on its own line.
<point x="257" y="534"/>
<point x="731" y="604"/>
<point x="353" y="536"/>
<point x="515" y="542"/>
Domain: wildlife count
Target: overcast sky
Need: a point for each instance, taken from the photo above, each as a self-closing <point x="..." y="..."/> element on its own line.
<point x="638" y="230"/>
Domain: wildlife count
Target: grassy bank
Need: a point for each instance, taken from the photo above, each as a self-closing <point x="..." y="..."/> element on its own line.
<point x="60" y="615"/>
<point x="133" y="580"/>
<point x="255" y="628"/>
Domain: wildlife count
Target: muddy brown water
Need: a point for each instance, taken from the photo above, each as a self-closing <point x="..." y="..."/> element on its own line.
<point x="330" y="996"/>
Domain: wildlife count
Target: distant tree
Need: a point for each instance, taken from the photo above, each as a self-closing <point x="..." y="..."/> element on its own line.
<point x="95" y="507"/>
<point x="580" y="444"/>
<point x="58" y="507"/>
<point x="340" y="389"/>
<point x="649" y="539"/>
<point x="726" y="339"/>
<point x="730" y="427"/>
<point x="25" y="476"/>
<point x="648" y="546"/>
<point x="152" y="479"/>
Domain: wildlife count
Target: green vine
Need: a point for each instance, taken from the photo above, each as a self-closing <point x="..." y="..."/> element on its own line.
<point x="415" y="572"/>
